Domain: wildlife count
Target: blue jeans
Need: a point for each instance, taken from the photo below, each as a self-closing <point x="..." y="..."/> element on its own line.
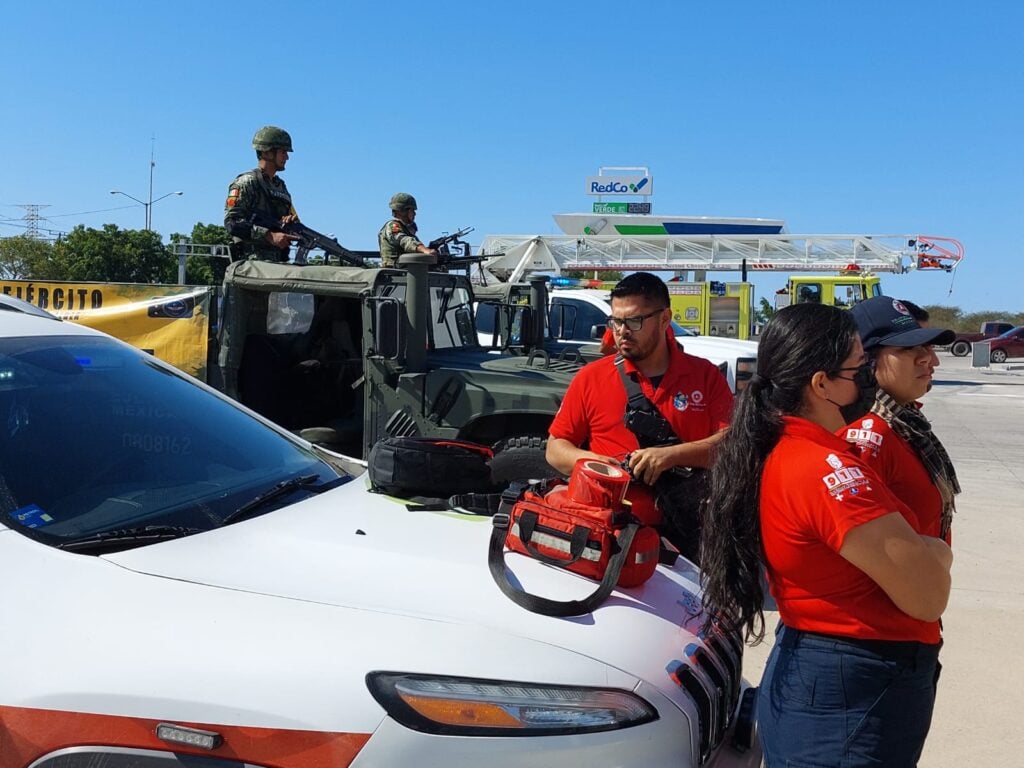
<point x="829" y="702"/>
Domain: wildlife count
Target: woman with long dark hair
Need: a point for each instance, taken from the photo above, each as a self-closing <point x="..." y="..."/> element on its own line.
<point x="850" y="680"/>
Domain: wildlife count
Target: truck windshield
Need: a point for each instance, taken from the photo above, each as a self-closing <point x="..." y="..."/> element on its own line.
<point x="98" y="438"/>
<point x="451" y="315"/>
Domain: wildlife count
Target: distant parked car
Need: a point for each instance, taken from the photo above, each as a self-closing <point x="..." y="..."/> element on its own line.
<point x="1010" y="344"/>
<point x="961" y="346"/>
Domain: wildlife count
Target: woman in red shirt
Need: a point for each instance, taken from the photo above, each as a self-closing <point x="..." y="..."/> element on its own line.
<point x="895" y="439"/>
<point x="859" y="588"/>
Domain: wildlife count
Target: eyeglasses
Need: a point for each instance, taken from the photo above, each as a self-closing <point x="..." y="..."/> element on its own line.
<point x="633" y="323"/>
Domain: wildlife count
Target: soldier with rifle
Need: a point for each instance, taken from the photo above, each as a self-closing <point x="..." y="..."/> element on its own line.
<point x="308" y="239"/>
<point x="398" y="235"/>
<point x="258" y="197"/>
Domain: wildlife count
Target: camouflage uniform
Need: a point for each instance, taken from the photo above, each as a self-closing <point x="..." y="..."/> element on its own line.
<point x="395" y="239"/>
<point x="253" y="192"/>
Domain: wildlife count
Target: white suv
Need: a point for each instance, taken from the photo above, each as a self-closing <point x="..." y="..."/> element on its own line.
<point x="736" y="358"/>
<point x="187" y="584"/>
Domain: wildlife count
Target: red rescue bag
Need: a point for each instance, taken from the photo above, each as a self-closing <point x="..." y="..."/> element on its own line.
<point x="604" y="544"/>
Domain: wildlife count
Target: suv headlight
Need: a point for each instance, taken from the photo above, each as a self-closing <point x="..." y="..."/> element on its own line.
<point x="473" y="707"/>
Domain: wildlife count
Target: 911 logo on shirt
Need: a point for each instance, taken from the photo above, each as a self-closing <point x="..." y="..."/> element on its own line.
<point x="845" y="480"/>
<point x="864" y="439"/>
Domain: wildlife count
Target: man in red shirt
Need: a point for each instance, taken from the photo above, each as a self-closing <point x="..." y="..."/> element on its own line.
<point x="689" y="392"/>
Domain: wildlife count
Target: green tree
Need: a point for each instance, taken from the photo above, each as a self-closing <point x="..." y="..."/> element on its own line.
<point x="109" y="255"/>
<point x="204" y="267"/>
<point x="22" y="255"/>
<point x="945" y="317"/>
<point x="764" y="312"/>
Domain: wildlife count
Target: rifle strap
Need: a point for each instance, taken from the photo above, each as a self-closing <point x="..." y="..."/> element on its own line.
<point x="269" y="190"/>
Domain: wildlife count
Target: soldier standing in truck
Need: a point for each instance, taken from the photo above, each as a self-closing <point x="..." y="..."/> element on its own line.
<point x="398" y="235"/>
<point x="258" y="197"/>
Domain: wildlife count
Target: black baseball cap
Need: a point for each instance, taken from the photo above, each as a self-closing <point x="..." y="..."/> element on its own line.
<point x="883" y="321"/>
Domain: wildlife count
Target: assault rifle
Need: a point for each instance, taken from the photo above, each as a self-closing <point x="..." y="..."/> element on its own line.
<point x="443" y="244"/>
<point x="308" y="240"/>
<point x="446" y="259"/>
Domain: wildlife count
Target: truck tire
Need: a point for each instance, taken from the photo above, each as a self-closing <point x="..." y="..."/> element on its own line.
<point x="520" y="458"/>
<point x="998" y="356"/>
<point x="960" y="348"/>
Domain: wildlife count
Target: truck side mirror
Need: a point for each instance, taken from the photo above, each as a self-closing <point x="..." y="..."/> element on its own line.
<point x="388" y="329"/>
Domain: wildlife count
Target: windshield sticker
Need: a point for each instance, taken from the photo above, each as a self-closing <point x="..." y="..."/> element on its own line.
<point x="31" y="516"/>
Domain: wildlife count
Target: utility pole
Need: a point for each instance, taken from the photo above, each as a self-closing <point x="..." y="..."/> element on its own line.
<point x="148" y="203"/>
<point x="152" y="165"/>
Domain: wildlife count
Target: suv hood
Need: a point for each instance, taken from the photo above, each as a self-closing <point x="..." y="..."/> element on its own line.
<point x="354" y="549"/>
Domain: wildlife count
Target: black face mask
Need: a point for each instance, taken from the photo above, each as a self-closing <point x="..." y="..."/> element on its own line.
<point x="867" y="388"/>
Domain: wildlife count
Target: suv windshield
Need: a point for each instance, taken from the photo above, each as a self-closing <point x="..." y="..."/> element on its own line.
<point x="96" y="437"/>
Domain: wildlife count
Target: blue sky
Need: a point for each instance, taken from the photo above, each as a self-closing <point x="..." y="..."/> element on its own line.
<point x="867" y="117"/>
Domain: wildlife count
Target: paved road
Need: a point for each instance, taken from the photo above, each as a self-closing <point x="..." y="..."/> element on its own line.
<point x="979" y="415"/>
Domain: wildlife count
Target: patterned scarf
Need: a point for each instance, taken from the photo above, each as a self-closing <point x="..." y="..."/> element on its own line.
<point x="910" y="424"/>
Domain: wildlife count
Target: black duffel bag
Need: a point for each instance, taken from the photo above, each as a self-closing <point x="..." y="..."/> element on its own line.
<point x="410" y="467"/>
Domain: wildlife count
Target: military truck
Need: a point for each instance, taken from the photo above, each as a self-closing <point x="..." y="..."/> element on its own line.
<point x="346" y="356"/>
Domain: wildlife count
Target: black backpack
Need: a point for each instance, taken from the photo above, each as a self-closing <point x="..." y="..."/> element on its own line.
<point x="416" y="467"/>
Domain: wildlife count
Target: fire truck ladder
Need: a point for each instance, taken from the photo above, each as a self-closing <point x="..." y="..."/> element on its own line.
<point x="509" y="257"/>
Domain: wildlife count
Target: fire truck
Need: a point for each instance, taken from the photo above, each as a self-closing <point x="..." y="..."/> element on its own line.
<point x="725" y="309"/>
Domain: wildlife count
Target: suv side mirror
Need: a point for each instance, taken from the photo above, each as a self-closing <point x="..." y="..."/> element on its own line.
<point x="388" y="328"/>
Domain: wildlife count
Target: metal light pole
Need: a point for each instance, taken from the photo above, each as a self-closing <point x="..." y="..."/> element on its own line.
<point x="147" y="205"/>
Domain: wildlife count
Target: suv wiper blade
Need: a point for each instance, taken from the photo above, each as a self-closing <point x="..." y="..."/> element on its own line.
<point x="305" y="482"/>
<point x="144" y="534"/>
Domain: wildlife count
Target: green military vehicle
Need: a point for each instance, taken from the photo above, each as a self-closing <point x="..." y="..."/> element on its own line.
<point x="346" y="356"/>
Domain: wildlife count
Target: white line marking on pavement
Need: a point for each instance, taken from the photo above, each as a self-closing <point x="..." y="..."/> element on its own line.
<point x="987" y="394"/>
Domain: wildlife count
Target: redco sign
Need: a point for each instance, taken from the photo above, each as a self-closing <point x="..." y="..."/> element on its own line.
<point x="620" y="185"/>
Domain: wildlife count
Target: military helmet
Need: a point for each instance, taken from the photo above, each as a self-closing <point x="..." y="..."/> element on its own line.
<point x="271" y="137"/>
<point x="402" y="200"/>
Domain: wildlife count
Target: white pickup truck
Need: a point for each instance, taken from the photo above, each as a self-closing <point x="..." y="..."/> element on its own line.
<point x="736" y="358"/>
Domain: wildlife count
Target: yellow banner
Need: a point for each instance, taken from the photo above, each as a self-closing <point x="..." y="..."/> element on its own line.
<point x="170" y="321"/>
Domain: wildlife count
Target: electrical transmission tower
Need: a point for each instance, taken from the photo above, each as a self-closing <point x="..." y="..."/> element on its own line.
<point x="32" y="219"/>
